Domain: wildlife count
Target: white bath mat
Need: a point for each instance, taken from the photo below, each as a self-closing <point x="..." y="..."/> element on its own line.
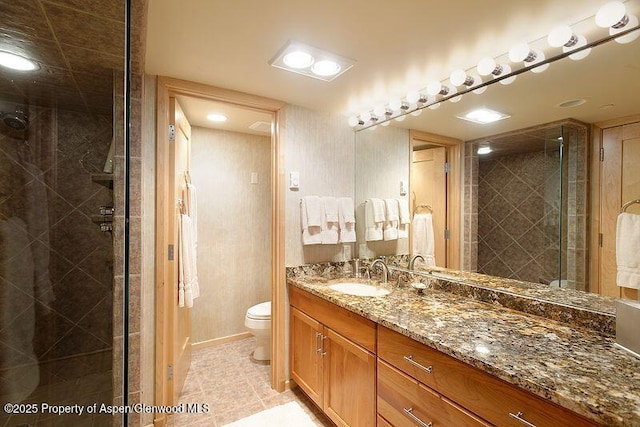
<point x="287" y="415"/>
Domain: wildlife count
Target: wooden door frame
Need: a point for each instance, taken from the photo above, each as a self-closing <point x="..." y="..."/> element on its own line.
<point x="454" y="190"/>
<point x="596" y="177"/>
<point x="169" y="87"/>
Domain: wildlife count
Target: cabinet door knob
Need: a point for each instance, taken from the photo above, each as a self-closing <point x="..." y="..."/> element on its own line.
<point x="409" y="411"/>
<point x="518" y="417"/>
<point x="414" y="363"/>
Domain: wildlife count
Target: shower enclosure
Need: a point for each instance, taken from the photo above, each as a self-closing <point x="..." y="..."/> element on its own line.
<point x="57" y="207"/>
<point x="528" y="196"/>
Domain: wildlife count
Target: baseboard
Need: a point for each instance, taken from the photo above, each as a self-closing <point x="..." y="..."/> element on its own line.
<point x="222" y="340"/>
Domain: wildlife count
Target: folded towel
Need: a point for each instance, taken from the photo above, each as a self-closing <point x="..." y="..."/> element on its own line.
<point x="373" y="224"/>
<point x="404" y="219"/>
<point x="311" y="235"/>
<point x="314" y="211"/>
<point x="346" y="220"/>
<point x="628" y="250"/>
<point x="423" y="238"/>
<point x="391" y="223"/>
<point x="191" y="205"/>
<point x="330" y="209"/>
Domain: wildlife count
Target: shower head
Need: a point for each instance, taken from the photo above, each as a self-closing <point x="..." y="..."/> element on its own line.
<point x="17" y="120"/>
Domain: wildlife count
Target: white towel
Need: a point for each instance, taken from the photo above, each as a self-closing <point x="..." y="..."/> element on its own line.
<point x="404" y="219"/>
<point x="314" y="211"/>
<point x="374" y="219"/>
<point x="188" y="287"/>
<point x="628" y="250"/>
<point x="423" y="238"/>
<point x="346" y="220"/>
<point x="330" y="229"/>
<point x="391" y="223"/>
<point x="311" y="235"/>
<point x="191" y="205"/>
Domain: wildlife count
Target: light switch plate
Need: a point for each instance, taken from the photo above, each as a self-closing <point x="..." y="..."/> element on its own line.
<point x="294" y="180"/>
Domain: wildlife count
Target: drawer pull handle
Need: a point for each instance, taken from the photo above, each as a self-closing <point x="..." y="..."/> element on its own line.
<point x="409" y="412"/>
<point x="518" y="417"/>
<point x="318" y="348"/>
<point x="323" y="352"/>
<point x="414" y="363"/>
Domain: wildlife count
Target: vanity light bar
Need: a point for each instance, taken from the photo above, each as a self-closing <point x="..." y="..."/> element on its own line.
<point x="623" y="28"/>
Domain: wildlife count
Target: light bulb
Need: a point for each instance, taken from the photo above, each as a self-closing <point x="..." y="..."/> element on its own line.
<point x="436" y="88"/>
<point x="416" y="113"/>
<point x="365" y="116"/>
<point x="487" y="66"/>
<point x="353" y="121"/>
<point x="413" y="96"/>
<point x="298" y="59"/>
<point x="506" y="69"/>
<point x="611" y="14"/>
<point x="380" y="110"/>
<point x="325" y="68"/>
<point x="387" y="123"/>
<point x="562" y="35"/>
<point x="582" y="41"/>
<point x="395" y="104"/>
<point x="400" y="118"/>
<point x="521" y="53"/>
<point x="459" y="78"/>
<point x="478" y="81"/>
<point x="434" y="106"/>
<point x="539" y="57"/>
<point x="632" y="21"/>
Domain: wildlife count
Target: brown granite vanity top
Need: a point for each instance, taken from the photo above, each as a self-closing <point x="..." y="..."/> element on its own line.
<point x="574" y="367"/>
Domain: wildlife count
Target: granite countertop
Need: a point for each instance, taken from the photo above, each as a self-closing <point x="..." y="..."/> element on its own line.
<point x="574" y="367"/>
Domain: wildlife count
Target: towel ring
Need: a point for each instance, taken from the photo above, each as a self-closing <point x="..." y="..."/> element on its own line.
<point x="629" y="203"/>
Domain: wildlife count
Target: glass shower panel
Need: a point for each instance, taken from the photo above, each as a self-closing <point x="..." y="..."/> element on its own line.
<point x="56" y="208"/>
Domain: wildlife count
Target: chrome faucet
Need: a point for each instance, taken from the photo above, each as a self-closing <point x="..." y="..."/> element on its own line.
<point x="413" y="261"/>
<point x="385" y="269"/>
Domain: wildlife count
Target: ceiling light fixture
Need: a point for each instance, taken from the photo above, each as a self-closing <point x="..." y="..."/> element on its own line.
<point x="488" y="66"/>
<point x="484" y="150"/>
<point x="310" y="61"/>
<point x="522" y="52"/>
<point x="217" y="117"/>
<point x="17" y="62"/>
<point x="614" y="16"/>
<point x="563" y="36"/>
<point x="483" y="116"/>
<point x="461" y="78"/>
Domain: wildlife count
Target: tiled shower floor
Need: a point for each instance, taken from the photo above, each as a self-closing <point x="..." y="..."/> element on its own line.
<point x="235" y="386"/>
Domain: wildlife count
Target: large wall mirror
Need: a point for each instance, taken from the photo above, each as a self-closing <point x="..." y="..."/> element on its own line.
<point x="545" y="144"/>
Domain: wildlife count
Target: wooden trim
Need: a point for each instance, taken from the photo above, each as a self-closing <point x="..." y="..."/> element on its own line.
<point x="219" y="341"/>
<point x="594" y="210"/>
<point x="167" y="87"/>
<point x="454" y="192"/>
<point x="621" y="121"/>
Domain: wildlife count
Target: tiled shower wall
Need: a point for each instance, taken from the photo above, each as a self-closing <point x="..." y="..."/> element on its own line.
<point x="57" y="266"/>
<point x="518" y="216"/>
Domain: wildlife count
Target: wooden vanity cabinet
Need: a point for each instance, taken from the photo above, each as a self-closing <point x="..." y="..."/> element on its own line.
<point x="468" y="389"/>
<point x="330" y="360"/>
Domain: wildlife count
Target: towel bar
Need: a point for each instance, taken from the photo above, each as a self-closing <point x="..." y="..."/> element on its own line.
<point x="629" y="203"/>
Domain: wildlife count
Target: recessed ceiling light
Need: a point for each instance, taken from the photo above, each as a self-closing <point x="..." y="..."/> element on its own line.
<point x="572" y="103"/>
<point x="17" y="62"/>
<point x="484" y="150"/>
<point x="298" y="59"/>
<point x="310" y="61"/>
<point x="483" y="116"/>
<point x="217" y="117"/>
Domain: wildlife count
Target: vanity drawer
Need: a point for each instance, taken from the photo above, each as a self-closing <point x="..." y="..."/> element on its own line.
<point x="491" y="398"/>
<point x="399" y="394"/>
<point x="353" y="326"/>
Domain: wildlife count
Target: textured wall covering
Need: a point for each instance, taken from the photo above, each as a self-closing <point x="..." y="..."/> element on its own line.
<point x="234" y="228"/>
<point x="518" y="216"/>
<point x="321" y="147"/>
<point x="383" y="158"/>
<point x="55" y="263"/>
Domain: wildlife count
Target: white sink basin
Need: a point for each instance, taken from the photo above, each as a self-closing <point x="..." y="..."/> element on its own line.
<point x="360" y="289"/>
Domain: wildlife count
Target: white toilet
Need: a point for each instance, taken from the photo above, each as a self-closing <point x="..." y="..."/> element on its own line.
<point x="258" y="321"/>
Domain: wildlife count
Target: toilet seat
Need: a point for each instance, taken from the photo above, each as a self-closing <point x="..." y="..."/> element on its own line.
<point x="260" y="311"/>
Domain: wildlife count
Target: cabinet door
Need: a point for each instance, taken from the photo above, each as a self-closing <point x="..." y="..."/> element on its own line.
<point x="349" y="382"/>
<point x="306" y="354"/>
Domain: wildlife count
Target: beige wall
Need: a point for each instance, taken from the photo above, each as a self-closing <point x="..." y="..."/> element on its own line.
<point x="320" y="147"/>
<point x="383" y="160"/>
<point x="234" y="226"/>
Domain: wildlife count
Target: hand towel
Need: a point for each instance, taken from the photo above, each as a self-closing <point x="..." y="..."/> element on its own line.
<point x="628" y="250"/>
<point x="314" y="211"/>
<point x="330" y="235"/>
<point x="311" y="235"/>
<point x="404" y="219"/>
<point x="391" y="219"/>
<point x="423" y="238"/>
<point x="188" y="287"/>
<point x="346" y="220"/>
<point x="191" y="204"/>
<point x="373" y="223"/>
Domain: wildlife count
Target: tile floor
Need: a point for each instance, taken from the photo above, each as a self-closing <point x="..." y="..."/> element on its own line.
<point x="234" y="386"/>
